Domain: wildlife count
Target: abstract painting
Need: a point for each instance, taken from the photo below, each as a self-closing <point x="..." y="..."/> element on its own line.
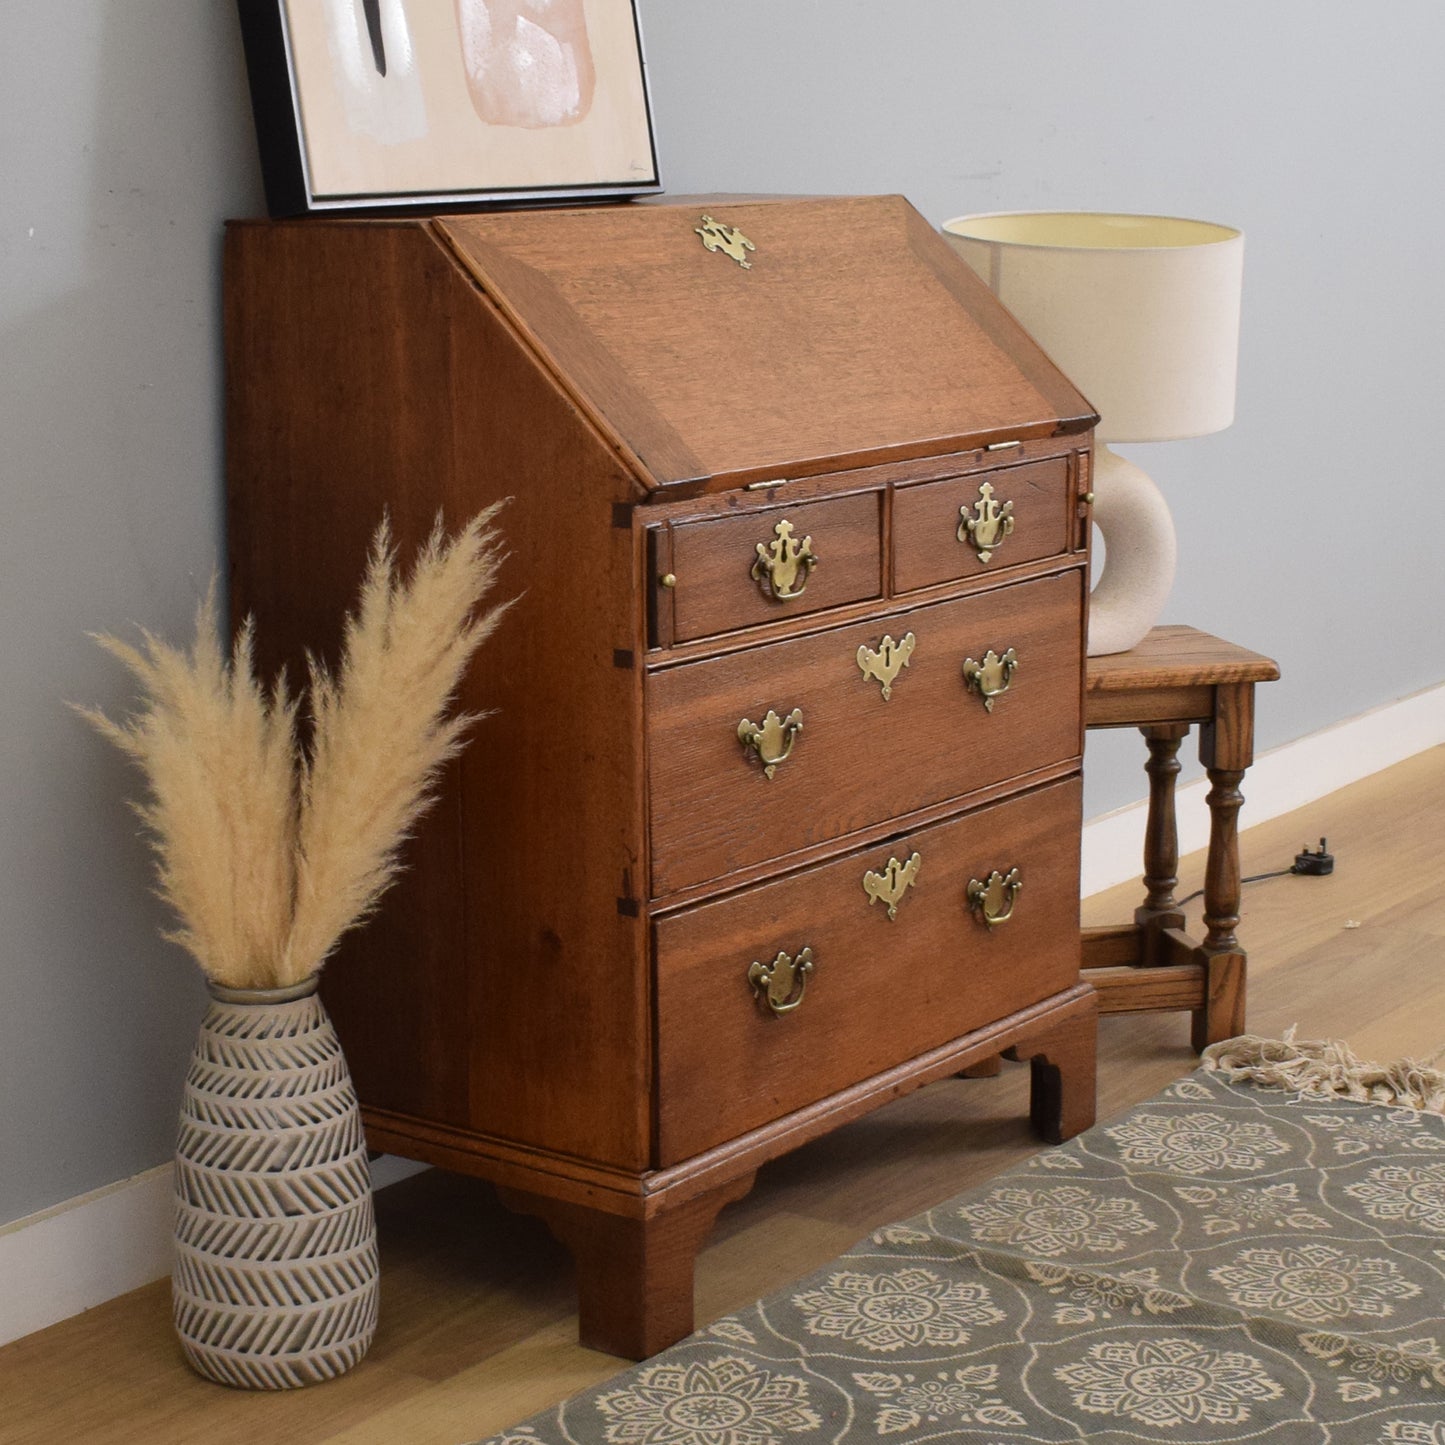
<point x="371" y="104"/>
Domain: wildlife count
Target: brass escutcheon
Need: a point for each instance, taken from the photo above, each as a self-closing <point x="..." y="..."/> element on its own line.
<point x="772" y="739"/>
<point x="992" y="900"/>
<point x="988" y="525"/>
<point x="892" y="883"/>
<point x="885" y="664"/>
<point x="991" y="677"/>
<point x="783" y="565"/>
<point x="779" y="986"/>
<point x="727" y="239"/>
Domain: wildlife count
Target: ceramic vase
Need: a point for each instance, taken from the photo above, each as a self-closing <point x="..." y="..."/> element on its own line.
<point x="276" y="1277"/>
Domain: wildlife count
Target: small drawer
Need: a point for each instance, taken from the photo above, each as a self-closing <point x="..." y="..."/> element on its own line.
<point x="779" y="562"/>
<point x="880" y="990"/>
<point x="1019" y="514"/>
<point x="839" y="744"/>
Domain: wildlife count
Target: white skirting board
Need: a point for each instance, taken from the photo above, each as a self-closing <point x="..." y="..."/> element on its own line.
<point x="90" y="1249"/>
<point x="87" y="1250"/>
<point x="84" y="1251"/>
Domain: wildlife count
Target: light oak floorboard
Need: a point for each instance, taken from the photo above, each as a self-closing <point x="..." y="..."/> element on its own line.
<point x="477" y="1325"/>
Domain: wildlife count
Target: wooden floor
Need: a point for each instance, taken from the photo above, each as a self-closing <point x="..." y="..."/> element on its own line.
<point x="477" y="1329"/>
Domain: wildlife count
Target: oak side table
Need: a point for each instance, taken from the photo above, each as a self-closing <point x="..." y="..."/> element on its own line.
<point x="1177" y="677"/>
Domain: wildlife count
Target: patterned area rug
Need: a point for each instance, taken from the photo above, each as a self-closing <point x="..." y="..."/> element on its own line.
<point x="1224" y="1263"/>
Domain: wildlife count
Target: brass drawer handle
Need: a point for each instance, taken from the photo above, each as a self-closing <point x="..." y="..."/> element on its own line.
<point x="991" y="677"/>
<point x="885" y="664"/>
<point x="992" y="901"/>
<point x="779" y="986"/>
<point x="772" y="739"/>
<point x="892" y="883"/>
<point x="783" y="565"/>
<point x="986" y="523"/>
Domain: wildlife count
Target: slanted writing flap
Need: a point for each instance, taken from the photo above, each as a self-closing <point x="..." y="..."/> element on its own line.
<point x="853" y="335"/>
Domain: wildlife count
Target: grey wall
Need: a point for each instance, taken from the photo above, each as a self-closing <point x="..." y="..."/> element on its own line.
<point x="1309" y="530"/>
<point x="124" y="139"/>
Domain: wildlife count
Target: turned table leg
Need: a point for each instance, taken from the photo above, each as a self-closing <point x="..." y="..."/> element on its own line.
<point x="1161" y="836"/>
<point x="1221" y="874"/>
<point x="1226" y="748"/>
<point x="634" y="1274"/>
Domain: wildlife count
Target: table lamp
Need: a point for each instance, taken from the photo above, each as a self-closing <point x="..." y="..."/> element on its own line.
<point x="1141" y="313"/>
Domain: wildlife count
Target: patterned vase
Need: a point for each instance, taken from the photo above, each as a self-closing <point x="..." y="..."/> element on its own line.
<point x="276" y="1274"/>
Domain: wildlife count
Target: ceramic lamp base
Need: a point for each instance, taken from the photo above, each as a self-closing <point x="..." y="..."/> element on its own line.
<point x="1139" y="556"/>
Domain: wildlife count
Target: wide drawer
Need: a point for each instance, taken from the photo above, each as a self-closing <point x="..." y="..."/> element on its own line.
<point x="860" y="757"/>
<point x="775" y="563"/>
<point x="967" y="526"/>
<point x="880" y="991"/>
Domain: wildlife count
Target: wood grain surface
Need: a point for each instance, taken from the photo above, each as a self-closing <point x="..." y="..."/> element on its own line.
<point x="855" y="334"/>
<point x="1177" y="656"/>
<point x="366" y="379"/>
<point x="881" y="990"/>
<point x="926" y="518"/>
<point x="713" y="562"/>
<point x="859" y="759"/>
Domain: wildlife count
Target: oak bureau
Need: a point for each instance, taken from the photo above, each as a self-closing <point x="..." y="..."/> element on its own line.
<point x="776" y="812"/>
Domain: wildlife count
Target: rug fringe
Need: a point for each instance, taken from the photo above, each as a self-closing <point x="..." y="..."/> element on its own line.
<point x="1326" y="1068"/>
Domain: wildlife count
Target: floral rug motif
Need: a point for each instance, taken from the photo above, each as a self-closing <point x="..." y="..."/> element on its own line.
<point x="1223" y="1263"/>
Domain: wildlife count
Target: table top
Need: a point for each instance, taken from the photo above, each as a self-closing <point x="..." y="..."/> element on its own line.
<point x="1178" y="656"/>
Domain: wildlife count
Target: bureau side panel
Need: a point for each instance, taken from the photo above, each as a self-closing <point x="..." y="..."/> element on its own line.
<point x="501" y="988"/>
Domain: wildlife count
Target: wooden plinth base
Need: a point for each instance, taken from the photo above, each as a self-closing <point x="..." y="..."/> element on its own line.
<point x="635" y="1237"/>
<point x="634" y="1275"/>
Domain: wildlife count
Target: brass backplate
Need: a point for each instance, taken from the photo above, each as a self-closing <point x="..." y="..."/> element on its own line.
<point x="892" y="883"/>
<point x="991" y="677"/>
<point x="992" y="899"/>
<point x="889" y="660"/>
<point x="782" y="567"/>
<point x="986" y="524"/>
<point x="772" y="739"/>
<point x="779" y="986"/>
<point x="727" y="239"/>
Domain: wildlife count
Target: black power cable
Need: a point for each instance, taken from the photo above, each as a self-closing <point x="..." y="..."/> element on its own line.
<point x="1308" y="863"/>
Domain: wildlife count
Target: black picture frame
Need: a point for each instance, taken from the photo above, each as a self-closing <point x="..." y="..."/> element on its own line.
<point x="496" y="155"/>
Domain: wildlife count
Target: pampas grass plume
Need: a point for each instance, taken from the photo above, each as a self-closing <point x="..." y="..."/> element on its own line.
<point x="218" y="756"/>
<point x="380" y="731"/>
<point x="266" y="854"/>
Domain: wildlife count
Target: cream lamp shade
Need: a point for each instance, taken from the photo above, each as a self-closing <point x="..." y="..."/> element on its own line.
<point x="1142" y="314"/>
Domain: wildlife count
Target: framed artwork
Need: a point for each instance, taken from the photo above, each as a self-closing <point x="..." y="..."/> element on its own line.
<point x="422" y="104"/>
